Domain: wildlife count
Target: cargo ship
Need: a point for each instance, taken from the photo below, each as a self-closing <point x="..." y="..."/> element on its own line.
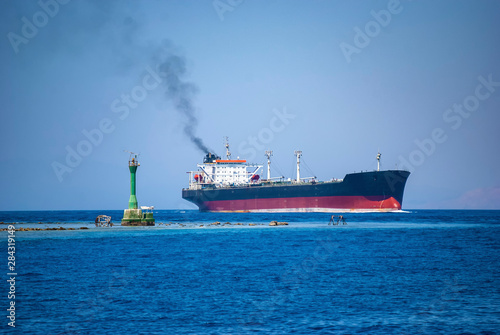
<point x="233" y="185"/>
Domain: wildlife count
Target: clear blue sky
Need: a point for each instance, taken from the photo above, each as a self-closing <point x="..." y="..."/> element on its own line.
<point x="417" y="80"/>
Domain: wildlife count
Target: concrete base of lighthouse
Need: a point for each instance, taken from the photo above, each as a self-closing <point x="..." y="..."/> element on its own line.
<point x="135" y="217"/>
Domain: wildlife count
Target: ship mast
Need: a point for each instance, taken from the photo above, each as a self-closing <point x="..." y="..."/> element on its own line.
<point x="226" y="142"/>
<point x="298" y="153"/>
<point x="378" y="161"/>
<point x="269" y="153"/>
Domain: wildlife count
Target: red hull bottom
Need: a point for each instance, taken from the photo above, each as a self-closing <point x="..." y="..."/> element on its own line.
<point x="305" y="204"/>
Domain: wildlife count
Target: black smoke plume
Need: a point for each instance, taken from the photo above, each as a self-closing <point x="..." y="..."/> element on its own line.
<point x="172" y="69"/>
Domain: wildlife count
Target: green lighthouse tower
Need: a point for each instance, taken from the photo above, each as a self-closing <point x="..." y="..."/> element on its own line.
<point x="134" y="216"/>
<point x="132" y="166"/>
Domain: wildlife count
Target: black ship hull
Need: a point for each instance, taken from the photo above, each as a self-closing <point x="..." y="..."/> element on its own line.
<point x="364" y="191"/>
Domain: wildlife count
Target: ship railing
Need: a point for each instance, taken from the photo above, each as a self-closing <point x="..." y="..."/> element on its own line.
<point x="336" y="180"/>
<point x="200" y="185"/>
<point x="307" y="180"/>
<point x="274" y="178"/>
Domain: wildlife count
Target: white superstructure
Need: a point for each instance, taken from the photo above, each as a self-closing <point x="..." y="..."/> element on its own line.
<point x="223" y="172"/>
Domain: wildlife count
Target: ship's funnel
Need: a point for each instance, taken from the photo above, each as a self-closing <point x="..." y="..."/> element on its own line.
<point x="210" y="158"/>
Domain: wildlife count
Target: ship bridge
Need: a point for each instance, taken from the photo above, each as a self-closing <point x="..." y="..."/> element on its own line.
<point x="223" y="172"/>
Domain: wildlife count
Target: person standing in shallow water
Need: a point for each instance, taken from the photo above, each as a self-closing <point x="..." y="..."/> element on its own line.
<point x="341" y="218"/>
<point x="332" y="220"/>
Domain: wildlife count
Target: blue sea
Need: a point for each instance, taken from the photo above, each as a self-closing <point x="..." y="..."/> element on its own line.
<point x="412" y="272"/>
